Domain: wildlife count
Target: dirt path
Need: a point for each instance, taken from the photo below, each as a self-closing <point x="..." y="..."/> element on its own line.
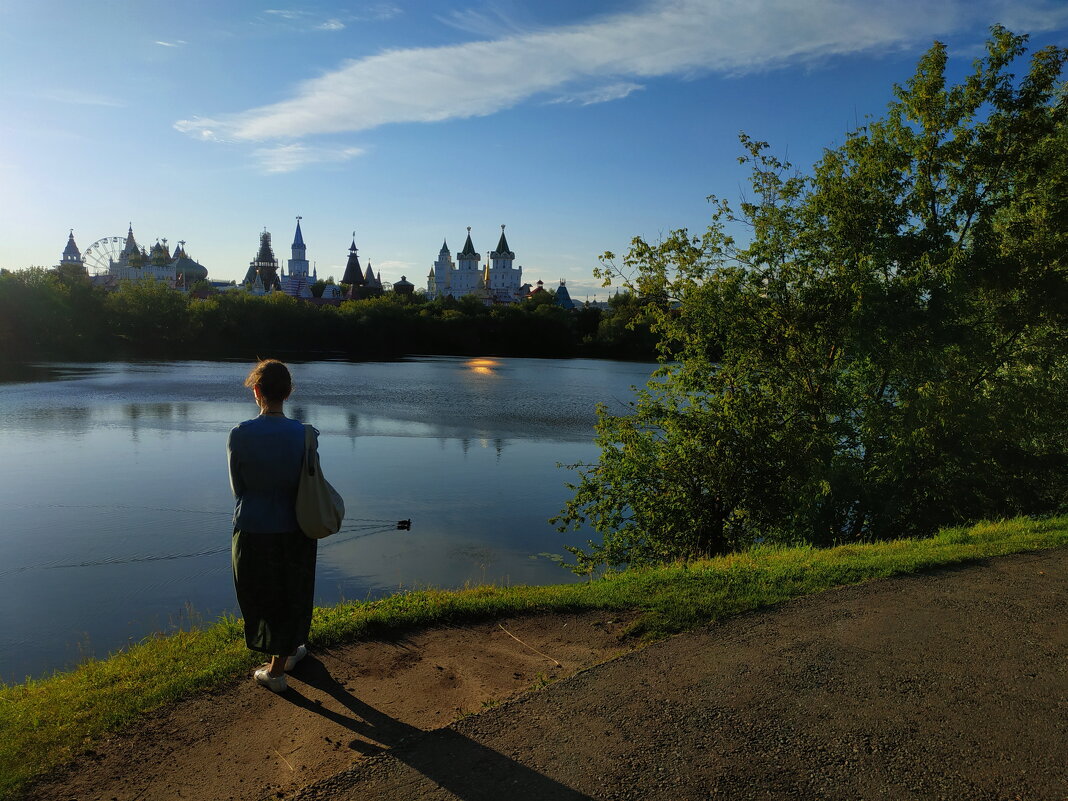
<point x="951" y="685"/>
<point x="245" y="743"/>
<point x="948" y="685"/>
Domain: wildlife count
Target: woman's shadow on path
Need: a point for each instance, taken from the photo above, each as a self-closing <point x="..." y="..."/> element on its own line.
<point x="464" y="767"/>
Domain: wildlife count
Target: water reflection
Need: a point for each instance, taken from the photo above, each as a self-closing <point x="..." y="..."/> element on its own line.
<point x="465" y="448"/>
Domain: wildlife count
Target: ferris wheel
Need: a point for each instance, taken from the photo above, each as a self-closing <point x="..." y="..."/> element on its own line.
<point x="99" y="255"/>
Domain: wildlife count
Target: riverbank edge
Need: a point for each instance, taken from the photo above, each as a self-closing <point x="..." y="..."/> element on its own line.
<point x="46" y="722"/>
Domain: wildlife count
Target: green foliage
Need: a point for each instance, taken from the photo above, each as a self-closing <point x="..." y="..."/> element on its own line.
<point x="886" y="353"/>
<point x="148" y="315"/>
<point x="46" y="722"/>
<point x="45" y="313"/>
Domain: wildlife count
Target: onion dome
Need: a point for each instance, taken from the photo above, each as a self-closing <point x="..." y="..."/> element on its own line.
<point x="190" y="270"/>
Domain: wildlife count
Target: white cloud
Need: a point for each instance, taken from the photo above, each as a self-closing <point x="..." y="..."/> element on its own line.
<point x="290" y="157"/>
<point x="331" y="25"/>
<point x="665" y="38"/>
<point x="175" y="43"/>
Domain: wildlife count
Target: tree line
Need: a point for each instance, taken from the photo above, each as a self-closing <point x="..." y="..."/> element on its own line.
<point x="59" y="314"/>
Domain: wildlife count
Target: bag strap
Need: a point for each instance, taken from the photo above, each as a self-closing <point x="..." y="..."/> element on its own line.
<point x="309" y="448"/>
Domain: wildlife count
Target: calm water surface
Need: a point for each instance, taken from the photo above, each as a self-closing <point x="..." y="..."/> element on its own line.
<point x="115" y="505"/>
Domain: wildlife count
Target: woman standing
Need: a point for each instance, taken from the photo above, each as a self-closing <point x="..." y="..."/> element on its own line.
<point x="274" y="563"/>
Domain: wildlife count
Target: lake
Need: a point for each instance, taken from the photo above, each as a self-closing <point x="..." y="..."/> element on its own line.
<point x="116" y="507"/>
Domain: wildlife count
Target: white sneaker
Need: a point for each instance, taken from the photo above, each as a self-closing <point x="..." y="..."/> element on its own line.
<point x="300" y="653"/>
<point x="276" y="684"/>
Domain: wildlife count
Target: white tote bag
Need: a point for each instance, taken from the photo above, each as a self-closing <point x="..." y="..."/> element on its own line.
<point x="320" y="508"/>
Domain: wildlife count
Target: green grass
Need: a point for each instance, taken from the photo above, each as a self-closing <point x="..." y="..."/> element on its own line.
<point x="46" y="722"/>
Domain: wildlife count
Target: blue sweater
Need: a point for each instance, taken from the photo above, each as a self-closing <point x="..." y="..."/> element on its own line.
<point x="265" y="456"/>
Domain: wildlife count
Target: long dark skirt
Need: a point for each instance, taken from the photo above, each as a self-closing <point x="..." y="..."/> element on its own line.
<point x="275" y="579"/>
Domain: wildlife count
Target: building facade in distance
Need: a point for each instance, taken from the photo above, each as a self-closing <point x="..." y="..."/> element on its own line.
<point x="499" y="281"/>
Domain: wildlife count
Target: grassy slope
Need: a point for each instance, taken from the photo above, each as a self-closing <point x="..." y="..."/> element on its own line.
<point x="46" y="722"/>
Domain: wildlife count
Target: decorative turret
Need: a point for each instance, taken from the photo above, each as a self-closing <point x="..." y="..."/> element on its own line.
<point x="502" y="252"/>
<point x="71" y="254"/>
<point x="353" y="271"/>
<point x="404" y="286"/>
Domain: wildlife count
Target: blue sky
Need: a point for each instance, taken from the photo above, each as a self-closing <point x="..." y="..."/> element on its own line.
<point x="579" y="124"/>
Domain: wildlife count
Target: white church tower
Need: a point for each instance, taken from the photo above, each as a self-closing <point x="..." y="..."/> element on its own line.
<point x="439" y="281"/>
<point x="297" y="282"/>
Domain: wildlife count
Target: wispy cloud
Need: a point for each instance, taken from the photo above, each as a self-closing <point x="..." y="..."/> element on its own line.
<point x="680" y="38"/>
<point x="175" y="43"/>
<point x="77" y="98"/>
<point x="493" y="23"/>
<point x="311" y="20"/>
<point x="377" y="12"/>
<point x="600" y="94"/>
<point x="287" y="158"/>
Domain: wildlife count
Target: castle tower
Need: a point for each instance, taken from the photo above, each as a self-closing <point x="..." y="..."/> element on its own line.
<point x="502" y="257"/>
<point x="502" y="279"/>
<point x="467" y="278"/>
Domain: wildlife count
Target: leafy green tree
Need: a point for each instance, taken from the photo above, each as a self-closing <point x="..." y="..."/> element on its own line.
<point x="884" y="355"/>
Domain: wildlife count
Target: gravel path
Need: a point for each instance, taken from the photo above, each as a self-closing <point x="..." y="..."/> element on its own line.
<point x="948" y="685"/>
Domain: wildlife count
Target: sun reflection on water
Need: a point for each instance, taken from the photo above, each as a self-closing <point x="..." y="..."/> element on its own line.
<point x="481" y="366"/>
